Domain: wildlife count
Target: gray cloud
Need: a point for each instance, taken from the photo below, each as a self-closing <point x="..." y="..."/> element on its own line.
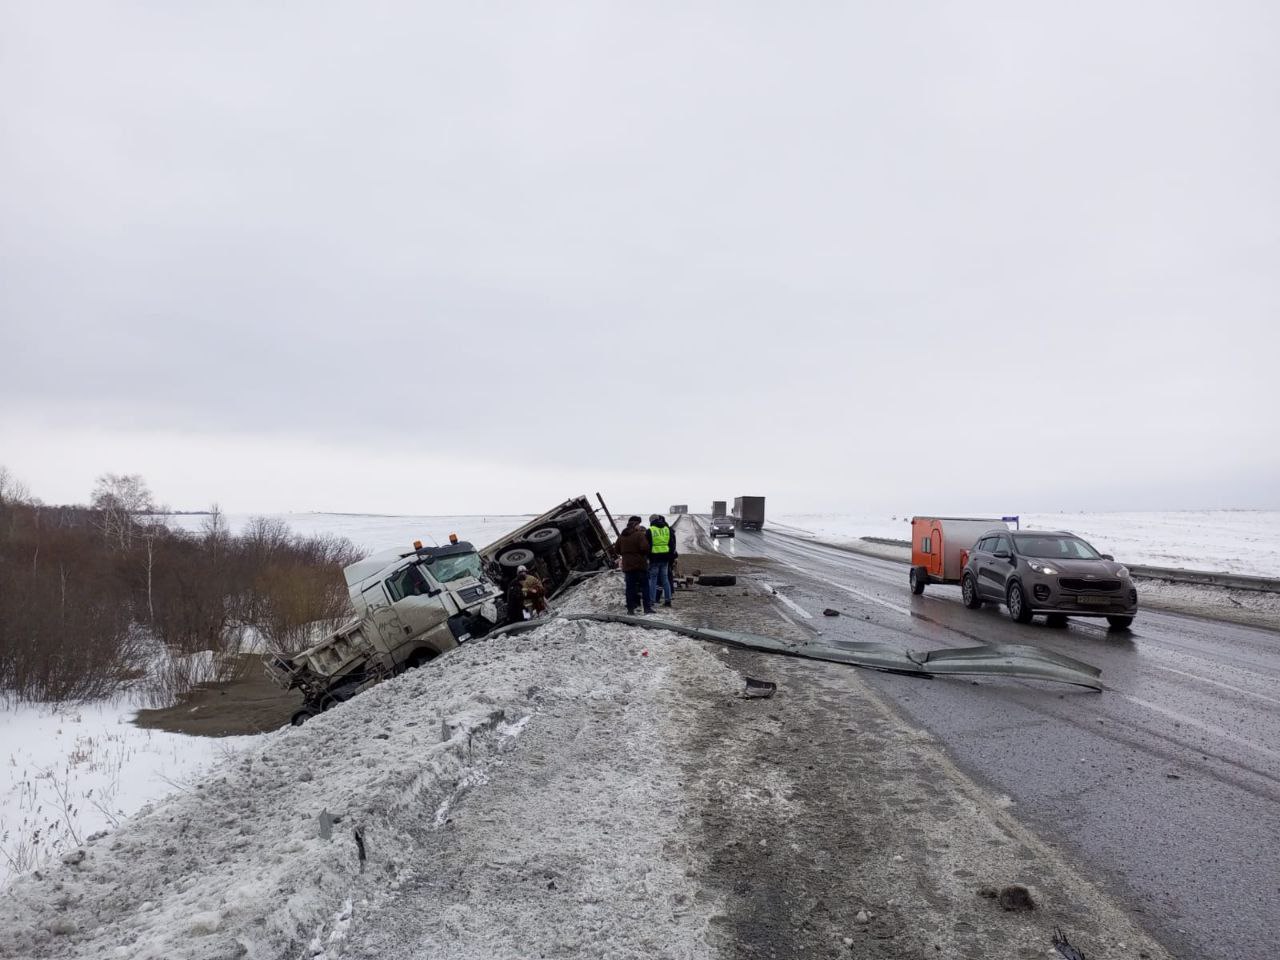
<point x="928" y="253"/>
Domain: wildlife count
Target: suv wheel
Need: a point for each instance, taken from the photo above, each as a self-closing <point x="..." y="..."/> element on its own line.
<point x="969" y="592"/>
<point x="1019" y="609"/>
<point x="1120" y="623"/>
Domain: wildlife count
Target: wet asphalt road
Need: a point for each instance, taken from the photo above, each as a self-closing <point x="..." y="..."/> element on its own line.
<point x="1165" y="787"/>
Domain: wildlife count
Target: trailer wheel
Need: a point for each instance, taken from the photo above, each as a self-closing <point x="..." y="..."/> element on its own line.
<point x="544" y="541"/>
<point x="571" y="519"/>
<point x="917" y="578"/>
<point x="1019" y="609"/>
<point x="516" y="557"/>
<point x="969" y="592"/>
<point x="303" y="715"/>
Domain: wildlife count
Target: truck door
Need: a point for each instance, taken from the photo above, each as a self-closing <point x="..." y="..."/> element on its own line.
<point x="416" y="601"/>
<point x="390" y="630"/>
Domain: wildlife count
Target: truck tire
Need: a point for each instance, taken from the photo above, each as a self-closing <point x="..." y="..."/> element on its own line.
<point x="515" y="557"/>
<point x="303" y="715"/>
<point x="717" y="580"/>
<point x="918" y="579"/>
<point x="571" y="520"/>
<point x="544" y="541"/>
<point x="1019" y="609"/>
<point x="969" y="592"/>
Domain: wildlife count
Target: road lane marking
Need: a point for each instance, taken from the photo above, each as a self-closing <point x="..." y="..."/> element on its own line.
<point x="789" y="602"/>
<point x="1209" y="728"/>
<point x="840" y="586"/>
<point x="1219" y="683"/>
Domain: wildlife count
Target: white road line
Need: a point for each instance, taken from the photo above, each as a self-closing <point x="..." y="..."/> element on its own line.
<point x="1219" y="683"/>
<point x="1209" y="728"/>
<point x="857" y="593"/>
<point x="778" y="595"/>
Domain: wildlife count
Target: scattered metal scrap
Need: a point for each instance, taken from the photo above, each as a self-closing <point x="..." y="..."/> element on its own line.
<point x="1063" y="947"/>
<point x="994" y="659"/>
<point x="761" y="689"/>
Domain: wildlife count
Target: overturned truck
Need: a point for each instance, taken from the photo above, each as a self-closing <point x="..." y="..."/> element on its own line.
<point x="413" y="606"/>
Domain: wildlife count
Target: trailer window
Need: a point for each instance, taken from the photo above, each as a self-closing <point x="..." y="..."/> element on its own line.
<point x="926" y="545"/>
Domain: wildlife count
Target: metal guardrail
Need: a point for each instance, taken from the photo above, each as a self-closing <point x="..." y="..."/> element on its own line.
<point x="1211" y="578"/>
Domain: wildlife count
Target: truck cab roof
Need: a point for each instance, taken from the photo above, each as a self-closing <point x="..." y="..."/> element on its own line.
<point x="362" y="570"/>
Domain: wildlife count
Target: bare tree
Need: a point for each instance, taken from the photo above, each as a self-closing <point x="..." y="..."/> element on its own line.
<point x="119" y="497"/>
<point x="12" y="490"/>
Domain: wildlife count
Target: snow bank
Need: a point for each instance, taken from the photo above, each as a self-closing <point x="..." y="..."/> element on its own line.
<point x="260" y="859"/>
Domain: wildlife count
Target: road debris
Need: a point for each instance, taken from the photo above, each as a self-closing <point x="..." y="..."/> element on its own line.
<point x="830" y="612"/>
<point x="761" y="689"/>
<point x="1063" y="947"/>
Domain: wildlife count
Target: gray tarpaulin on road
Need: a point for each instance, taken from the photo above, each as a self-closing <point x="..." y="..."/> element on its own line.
<point x="995" y="659"/>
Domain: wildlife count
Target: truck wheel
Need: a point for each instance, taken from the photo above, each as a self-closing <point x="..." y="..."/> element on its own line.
<point x="969" y="592"/>
<point x="1019" y="609"/>
<point x="917" y="578"/>
<point x="1120" y="623"/>
<point x="544" y="541"/>
<point x="571" y="519"/>
<point x="517" y="557"/>
<point x="303" y="715"/>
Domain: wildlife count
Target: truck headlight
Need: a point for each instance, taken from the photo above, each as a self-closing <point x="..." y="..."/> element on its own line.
<point x="1042" y="568"/>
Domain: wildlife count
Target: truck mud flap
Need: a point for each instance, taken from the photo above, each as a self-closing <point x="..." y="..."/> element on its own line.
<point x="996" y="659"/>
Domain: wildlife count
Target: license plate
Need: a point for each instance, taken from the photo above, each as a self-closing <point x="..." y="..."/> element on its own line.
<point x="1094" y="601"/>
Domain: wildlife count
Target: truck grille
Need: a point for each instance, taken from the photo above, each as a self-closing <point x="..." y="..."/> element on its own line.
<point x="1075" y="583"/>
<point x="472" y="594"/>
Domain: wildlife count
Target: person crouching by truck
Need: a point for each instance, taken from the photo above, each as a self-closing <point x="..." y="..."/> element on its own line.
<point x="662" y="551"/>
<point x="633" y="553"/>
<point x="526" y="597"/>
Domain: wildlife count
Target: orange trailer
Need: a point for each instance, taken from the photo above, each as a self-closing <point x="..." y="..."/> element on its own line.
<point x="940" y="547"/>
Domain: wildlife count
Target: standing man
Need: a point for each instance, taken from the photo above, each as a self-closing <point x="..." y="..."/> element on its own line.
<point x="633" y="549"/>
<point x="662" y="551"/>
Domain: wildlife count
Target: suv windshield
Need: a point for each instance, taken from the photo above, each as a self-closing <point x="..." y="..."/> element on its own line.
<point x="1051" y="546"/>
<point x="456" y="567"/>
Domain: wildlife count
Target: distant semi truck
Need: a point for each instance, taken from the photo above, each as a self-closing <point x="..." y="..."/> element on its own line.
<point x="719" y="508"/>
<point x="678" y="508"/>
<point x="748" y="512"/>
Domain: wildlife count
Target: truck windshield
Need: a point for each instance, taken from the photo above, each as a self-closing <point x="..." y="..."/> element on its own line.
<point x="456" y="567"/>
<point x="1051" y="547"/>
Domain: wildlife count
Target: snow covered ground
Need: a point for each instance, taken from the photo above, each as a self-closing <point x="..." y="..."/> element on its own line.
<point x="73" y="770"/>
<point x="1235" y="541"/>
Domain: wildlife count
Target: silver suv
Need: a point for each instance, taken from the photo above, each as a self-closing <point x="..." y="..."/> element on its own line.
<point x="1054" y="573"/>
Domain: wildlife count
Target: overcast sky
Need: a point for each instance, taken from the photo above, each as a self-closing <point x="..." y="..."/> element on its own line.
<point x="448" y="258"/>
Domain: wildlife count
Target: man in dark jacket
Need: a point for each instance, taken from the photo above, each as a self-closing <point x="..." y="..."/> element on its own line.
<point x="662" y="551"/>
<point x="633" y="549"/>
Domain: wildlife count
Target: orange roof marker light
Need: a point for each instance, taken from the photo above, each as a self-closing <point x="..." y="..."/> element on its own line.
<point x="417" y="544"/>
<point x="453" y="538"/>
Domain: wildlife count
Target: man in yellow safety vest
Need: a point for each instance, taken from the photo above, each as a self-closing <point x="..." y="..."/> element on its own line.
<point x="662" y="551"/>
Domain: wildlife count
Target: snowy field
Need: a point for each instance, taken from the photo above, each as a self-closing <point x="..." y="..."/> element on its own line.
<point x="1235" y="541"/>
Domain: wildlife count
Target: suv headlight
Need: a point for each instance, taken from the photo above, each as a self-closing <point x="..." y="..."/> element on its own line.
<point x="1043" y="568"/>
<point x="1122" y="573"/>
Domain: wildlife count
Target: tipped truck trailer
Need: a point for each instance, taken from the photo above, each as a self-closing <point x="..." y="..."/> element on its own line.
<point x="940" y="547"/>
<point x="412" y="606"/>
<point x="749" y="512"/>
<point x="719" y="508"/>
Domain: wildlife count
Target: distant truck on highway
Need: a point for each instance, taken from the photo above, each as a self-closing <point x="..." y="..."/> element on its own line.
<point x="748" y="512"/>
<point x="413" y="606"/>
<point x="719" y="508"/>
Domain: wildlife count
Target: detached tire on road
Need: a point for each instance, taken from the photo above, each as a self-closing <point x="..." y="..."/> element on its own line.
<point x="969" y="592"/>
<point x="544" y="541"/>
<point x="917" y="579"/>
<point x="717" y="580"/>
<point x="1019" y="609"/>
<point x="517" y="557"/>
<point x="1120" y="623"/>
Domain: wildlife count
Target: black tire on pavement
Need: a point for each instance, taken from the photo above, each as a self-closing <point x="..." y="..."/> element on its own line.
<point x="969" y="592"/>
<point x="571" y="519"/>
<point x="717" y="580"/>
<point x="1056" y="619"/>
<point x="1019" y="609"/>
<point x="917" y="579"/>
<point x="544" y="541"/>
<point x="1120" y="623"/>
<point x="515" y="557"/>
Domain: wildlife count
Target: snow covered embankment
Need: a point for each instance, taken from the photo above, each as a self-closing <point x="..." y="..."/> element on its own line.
<point x="237" y="866"/>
